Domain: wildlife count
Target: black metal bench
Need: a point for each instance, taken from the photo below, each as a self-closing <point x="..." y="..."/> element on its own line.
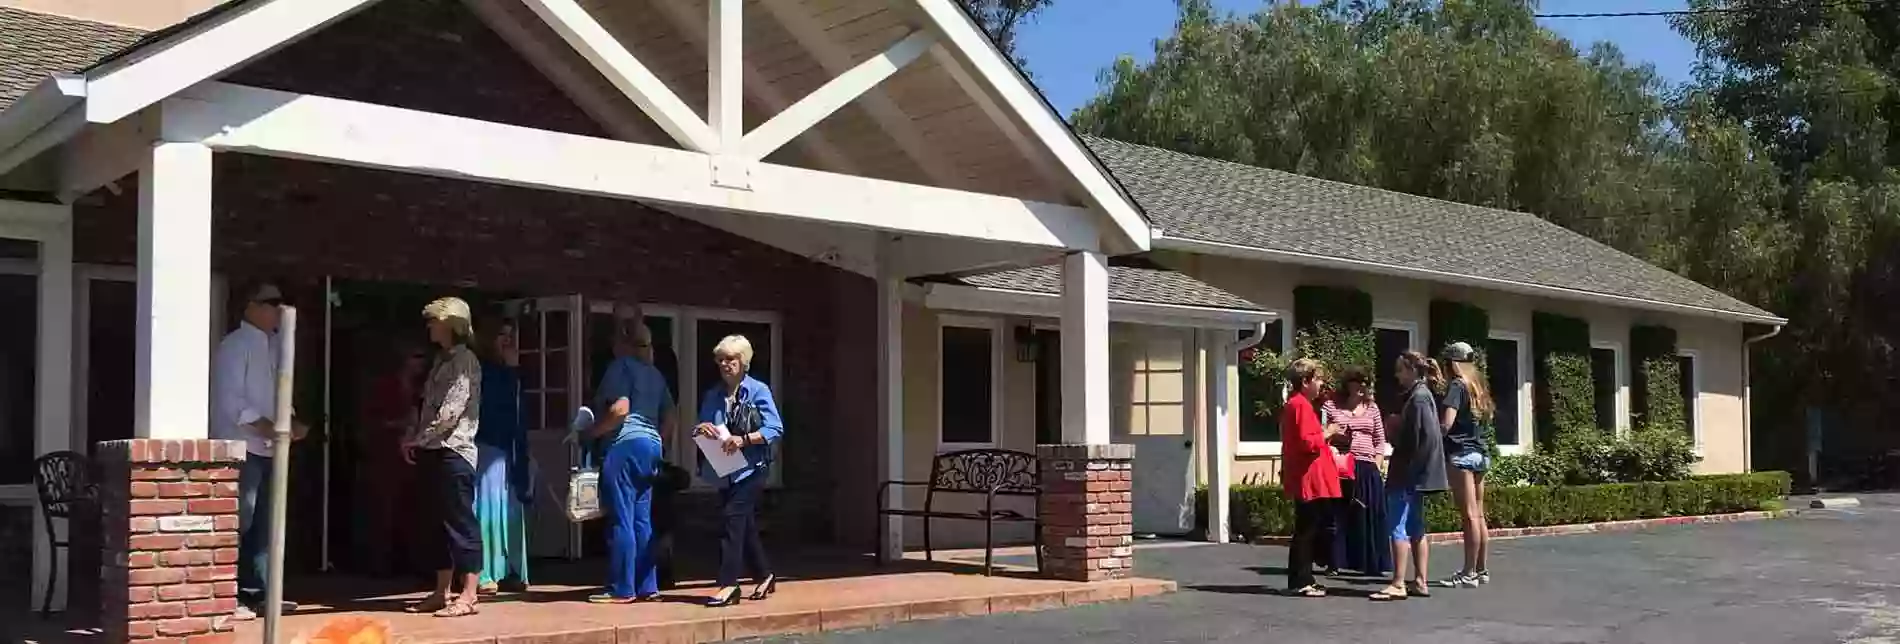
<point x="988" y="472"/>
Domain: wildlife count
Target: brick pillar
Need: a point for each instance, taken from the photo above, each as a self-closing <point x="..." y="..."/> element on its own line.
<point x="1087" y="511"/>
<point x="169" y="513"/>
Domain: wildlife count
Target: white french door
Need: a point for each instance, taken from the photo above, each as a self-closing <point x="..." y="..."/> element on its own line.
<point x="551" y="337"/>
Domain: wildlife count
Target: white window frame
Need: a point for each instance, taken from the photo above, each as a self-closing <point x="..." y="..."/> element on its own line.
<point x="1622" y="383"/>
<point x="996" y="329"/>
<point x="1695" y="403"/>
<point x="1525" y="414"/>
<point x="1247" y="448"/>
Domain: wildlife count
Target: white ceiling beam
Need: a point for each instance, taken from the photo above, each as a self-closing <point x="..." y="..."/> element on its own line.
<point x="246" y="119"/>
<point x="834" y="95"/>
<point x="877" y="103"/>
<point x="621" y="68"/>
<point x="725" y="59"/>
<point x="207" y="51"/>
<point x="826" y="154"/>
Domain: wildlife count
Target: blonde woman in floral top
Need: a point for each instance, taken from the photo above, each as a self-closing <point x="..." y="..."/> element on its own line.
<point x="442" y="447"/>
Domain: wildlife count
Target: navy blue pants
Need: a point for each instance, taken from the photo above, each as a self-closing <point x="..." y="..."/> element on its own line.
<point x="455" y="539"/>
<point x="739" y="504"/>
<point x="626" y="491"/>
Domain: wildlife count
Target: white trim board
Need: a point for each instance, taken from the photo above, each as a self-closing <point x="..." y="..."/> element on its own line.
<point x="237" y="118"/>
<point x="1163" y="242"/>
<point x="1010" y="302"/>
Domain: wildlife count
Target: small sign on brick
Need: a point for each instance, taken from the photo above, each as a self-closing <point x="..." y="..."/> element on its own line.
<point x="187" y="523"/>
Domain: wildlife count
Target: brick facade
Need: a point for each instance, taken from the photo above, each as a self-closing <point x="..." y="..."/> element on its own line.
<point x="1087" y="511"/>
<point x="169" y="511"/>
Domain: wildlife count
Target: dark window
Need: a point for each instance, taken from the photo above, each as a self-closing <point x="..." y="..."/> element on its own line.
<point x="112" y="334"/>
<point x="19" y="357"/>
<point x="1685" y="377"/>
<point x="1253" y="426"/>
<point x="1505" y="382"/>
<point x="967" y="380"/>
<point x="1048" y="386"/>
<point x="1603" y="376"/>
<point x="1385" y="382"/>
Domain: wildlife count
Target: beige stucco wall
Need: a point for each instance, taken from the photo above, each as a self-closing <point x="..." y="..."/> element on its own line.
<point x="1717" y="344"/>
<point x="921" y="444"/>
<point x="149" y="15"/>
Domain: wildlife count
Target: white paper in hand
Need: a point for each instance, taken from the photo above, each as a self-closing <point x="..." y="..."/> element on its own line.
<point x="722" y="463"/>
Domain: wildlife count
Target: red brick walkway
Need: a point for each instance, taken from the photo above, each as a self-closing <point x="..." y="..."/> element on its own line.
<point x="558" y="613"/>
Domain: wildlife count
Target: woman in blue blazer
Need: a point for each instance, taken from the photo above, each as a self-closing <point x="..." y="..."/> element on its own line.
<point x="744" y="407"/>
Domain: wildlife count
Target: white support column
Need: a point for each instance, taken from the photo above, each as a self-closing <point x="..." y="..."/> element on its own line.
<point x="1085" y="348"/>
<point x="890" y="399"/>
<point x="1219" y="446"/>
<point x="53" y="424"/>
<point x="725" y="86"/>
<point x="174" y="353"/>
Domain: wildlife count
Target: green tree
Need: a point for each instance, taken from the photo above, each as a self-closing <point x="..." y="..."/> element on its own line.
<point x="1001" y="18"/>
<point x="1813" y="87"/>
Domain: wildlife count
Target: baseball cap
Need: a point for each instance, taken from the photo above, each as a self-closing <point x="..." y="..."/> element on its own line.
<point x="1458" y="352"/>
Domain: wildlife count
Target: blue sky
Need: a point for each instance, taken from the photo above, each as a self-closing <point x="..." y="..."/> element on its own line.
<point x="1075" y="39"/>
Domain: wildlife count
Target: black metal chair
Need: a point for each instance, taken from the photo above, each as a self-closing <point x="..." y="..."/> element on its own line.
<point x="66" y="490"/>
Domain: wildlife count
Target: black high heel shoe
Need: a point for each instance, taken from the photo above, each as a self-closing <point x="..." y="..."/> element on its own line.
<point x="727" y="597"/>
<point x="765" y="588"/>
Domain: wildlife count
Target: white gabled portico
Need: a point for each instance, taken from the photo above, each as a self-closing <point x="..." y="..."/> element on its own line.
<point x="161" y="111"/>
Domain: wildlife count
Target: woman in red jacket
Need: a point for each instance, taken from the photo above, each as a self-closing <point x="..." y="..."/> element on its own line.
<point x="1307" y="471"/>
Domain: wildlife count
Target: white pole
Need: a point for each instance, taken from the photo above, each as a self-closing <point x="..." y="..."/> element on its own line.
<point x="328" y="311"/>
<point x="280" y="473"/>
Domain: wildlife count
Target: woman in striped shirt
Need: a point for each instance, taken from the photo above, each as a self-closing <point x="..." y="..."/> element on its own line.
<point x="1362" y="543"/>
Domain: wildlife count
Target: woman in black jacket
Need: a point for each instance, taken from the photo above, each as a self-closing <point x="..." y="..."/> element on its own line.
<point x="1417" y="468"/>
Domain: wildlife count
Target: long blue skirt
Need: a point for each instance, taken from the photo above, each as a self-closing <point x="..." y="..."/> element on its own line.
<point x="1361" y="542"/>
<point x="503" y="517"/>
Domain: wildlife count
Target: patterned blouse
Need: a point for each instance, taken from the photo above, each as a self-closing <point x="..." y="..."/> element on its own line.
<point x="448" y="419"/>
<point x="1366" y="429"/>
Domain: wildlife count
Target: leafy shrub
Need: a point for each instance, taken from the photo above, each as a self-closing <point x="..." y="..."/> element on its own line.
<point x="1258" y="511"/>
<point x="1339" y="348"/>
<point x="1267" y="371"/>
<point x="1653" y="453"/>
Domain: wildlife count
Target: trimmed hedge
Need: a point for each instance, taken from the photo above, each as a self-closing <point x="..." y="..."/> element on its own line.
<point x="1656" y="390"/>
<point x="1263" y="510"/>
<point x="1566" y="395"/>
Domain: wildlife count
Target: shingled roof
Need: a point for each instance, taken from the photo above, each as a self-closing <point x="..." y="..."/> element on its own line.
<point x="1129" y="280"/>
<point x="34" y="46"/>
<point x="1207" y="200"/>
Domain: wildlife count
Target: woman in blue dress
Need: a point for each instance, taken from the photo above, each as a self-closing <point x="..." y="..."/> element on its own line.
<point x="744" y="408"/>
<point x="502" y="492"/>
<point x="637" y="407"/>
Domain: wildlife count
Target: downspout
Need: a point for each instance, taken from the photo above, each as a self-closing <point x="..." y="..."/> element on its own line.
<point x="1221" y="464"/>
<point x="1748" y="398"/>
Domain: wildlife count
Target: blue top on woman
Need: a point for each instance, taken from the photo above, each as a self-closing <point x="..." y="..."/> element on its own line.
<point x="646" y="393"/>
<point x="713" y="409"/>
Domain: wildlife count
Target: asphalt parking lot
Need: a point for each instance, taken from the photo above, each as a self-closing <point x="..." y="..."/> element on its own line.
<point x="1820" y="576"/>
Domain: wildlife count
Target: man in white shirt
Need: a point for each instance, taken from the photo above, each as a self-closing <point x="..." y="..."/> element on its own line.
<point x="244" y="391"/>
